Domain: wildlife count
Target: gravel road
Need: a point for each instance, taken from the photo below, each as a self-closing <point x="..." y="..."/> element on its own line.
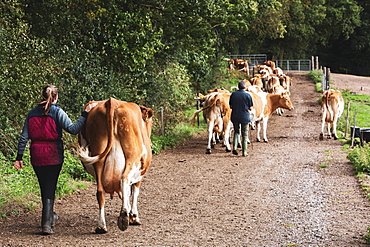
<point x="293" y="191"/>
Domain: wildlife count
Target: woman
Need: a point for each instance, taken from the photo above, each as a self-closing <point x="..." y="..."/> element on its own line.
<point x="44" y="125"/>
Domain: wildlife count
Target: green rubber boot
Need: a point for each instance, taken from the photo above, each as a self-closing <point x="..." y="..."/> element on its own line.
<point x="245" y="139"/>
<point x="245" y="147"/>
<point x="235" y="143"/>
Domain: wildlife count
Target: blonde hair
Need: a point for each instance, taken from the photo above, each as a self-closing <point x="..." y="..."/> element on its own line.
<point x="49" y="93"/>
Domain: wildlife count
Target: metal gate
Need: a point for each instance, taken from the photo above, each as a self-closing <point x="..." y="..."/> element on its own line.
<point x="253" y="59"/>
<point x="286" y="65"/>
<point x="294" y="65"/>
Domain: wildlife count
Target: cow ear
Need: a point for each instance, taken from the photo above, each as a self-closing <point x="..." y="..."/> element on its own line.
<point x="150" y="112"/>
<point x="146" y="112"/>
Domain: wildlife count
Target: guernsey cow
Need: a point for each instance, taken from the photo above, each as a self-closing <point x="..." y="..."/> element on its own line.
<point x="239" y="64"/>
<point x="332" y="106"/>
<point x="217" y="113"/>
<point x="278" y="89"/>
<point x="264" y="104"/>
<point x="115" y="148"/>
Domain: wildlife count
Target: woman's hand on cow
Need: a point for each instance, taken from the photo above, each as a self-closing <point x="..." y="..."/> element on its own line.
<point x="18" y="164"/>
<point x="90" y="106"/>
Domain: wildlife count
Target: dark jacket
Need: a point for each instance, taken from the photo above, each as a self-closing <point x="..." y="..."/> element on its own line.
<point x="240" y="102"/>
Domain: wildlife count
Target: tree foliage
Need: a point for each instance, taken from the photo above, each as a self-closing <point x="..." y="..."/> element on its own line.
<point x="154" y="52"/>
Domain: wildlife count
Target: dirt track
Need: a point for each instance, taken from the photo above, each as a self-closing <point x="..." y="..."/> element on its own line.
<point x="277" y="196"/>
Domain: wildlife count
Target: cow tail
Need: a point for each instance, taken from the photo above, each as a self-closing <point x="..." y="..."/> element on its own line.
<point x="196" y="113"/>
<point x="84" y="151"/>
<point x="330" y="114"/>
<point x="110" y="123"/>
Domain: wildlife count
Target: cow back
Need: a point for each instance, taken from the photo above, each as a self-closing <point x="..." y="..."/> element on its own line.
<point x="118" y="134"/>
<point x="258" y="105"/>
<point x="333" y="103"/>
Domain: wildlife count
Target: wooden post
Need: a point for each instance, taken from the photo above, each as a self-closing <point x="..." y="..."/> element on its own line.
<point x="354" y="130"/>
<point x="317" y="62"/>
<point x="323" y="80"/>
<point x="347" y="120"/>
<point x="162" y="120"/>
<point x="327" y="78"/>
<point x="312" y="63"/>
<point x="198" y="107"/>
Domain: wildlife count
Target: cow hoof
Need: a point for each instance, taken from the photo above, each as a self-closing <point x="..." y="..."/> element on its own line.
<point x="134" y="220"/>
<point x="99" y="230"/>
<point x="265" y="141"/>
<point x="123" y="221"/>
<point x="321" y="137"/>
<point x="208" y="151"/>
<point x="228" y="150"/>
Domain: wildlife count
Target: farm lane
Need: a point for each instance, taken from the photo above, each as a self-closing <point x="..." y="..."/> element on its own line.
<point x="277" y="196"/>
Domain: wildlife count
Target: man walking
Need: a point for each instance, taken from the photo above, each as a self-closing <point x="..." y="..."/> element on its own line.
<point x="240" y="103"/>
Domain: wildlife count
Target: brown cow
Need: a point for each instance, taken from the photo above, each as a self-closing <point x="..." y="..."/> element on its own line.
<point x="115" y="148"/>
<point x="332" y="106"/>
<point x="257" y="80"/>
<point x="239" y="64"/>
<point x="270" y="63"/>
<point x="264" y="104"/>
<point x="217" y="113"/>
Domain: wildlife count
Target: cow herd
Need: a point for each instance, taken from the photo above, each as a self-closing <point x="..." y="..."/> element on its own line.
<point x="269" y="92"/>
<point x="115" y="145"/>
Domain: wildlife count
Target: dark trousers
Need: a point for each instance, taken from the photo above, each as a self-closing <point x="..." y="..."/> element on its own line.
<point x="48" y="178"/>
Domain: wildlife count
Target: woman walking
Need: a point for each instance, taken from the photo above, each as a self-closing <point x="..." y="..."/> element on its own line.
<point x="43" y="126"/>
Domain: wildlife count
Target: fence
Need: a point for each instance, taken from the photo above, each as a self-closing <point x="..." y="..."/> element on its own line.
<point x="286" y="65"/>
<point x="253" y="59"/>
<point x="294" y="65"/>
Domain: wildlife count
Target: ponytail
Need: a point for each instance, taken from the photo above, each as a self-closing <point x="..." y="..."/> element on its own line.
<point x="49" y="93"/>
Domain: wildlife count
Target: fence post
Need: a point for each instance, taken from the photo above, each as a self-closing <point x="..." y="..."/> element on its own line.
<point x="317" y="62"/>
<point x="347" y="120"/>
<point x="162" y="121"/>
<point x="354" y="130"/>
<point x="198" y="107"/>
<point x="327" y="78"/>
<point x="323" y="80"/>
<point x="312" y="63"/>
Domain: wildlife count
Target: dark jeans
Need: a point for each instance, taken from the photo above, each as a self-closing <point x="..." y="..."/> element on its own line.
<point x="48" y="178"/>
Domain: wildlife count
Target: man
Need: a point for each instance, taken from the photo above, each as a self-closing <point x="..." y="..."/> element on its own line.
<point x="240" y="103"/>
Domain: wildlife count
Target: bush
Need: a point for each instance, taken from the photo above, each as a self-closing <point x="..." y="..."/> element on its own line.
<point x="316" y="76"/>
<point x="171" y="139"/>
<point x="360" y="158"/>
<point x="20" y="192"/>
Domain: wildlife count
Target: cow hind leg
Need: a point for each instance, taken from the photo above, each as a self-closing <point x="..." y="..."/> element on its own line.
<point x="329" y="131"/>
<point x="334" y="129"/>
<point x="102" y="227"/>
<point x="123" y="219"/>
<point x="134" y="214"/>
<point x="100" y="194"/>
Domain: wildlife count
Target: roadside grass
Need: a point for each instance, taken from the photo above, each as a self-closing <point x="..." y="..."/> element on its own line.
<point x="367" y="236"/>
<point x="358" y="155"/>
<point x="19" y="190"/>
